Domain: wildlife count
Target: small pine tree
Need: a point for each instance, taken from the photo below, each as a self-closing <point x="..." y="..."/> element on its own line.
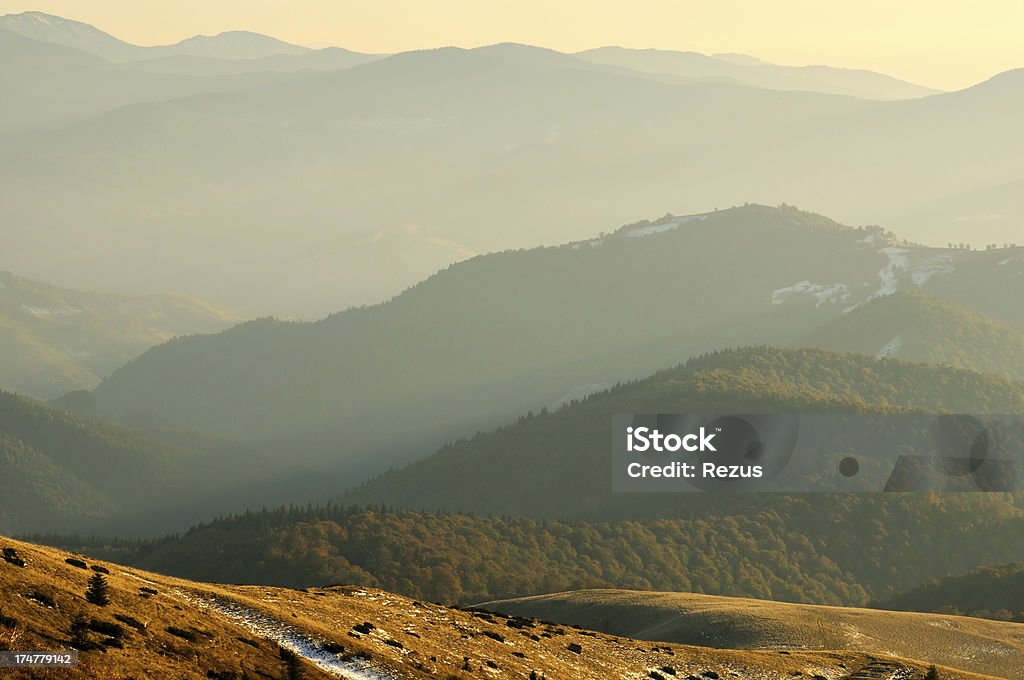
<point x="98" y="592"/>
<point x="933" y="674"/>
<point x="292" y="665"/>
<point x="80" y="633"/>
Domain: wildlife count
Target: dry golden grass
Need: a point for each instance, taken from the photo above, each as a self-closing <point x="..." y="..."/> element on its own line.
<point x="404" y="639"/>
<point x="977" y="645"/>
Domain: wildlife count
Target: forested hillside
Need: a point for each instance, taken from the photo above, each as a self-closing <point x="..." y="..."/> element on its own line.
<point x="483" y="342"/>
<point x="557" y="464"/>
<point x="819" y="549"/>
<point x="61" y="470"/>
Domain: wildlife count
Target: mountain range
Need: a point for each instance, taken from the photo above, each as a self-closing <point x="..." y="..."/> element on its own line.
<point x="308" y="173"/>
<point x="486" y="340"/>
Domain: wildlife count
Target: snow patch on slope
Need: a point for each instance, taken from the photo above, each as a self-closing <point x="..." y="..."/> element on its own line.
<point x="823" y="292"/>
<point x="593" y="243"/>
<point x="889" y="275"/>
<point x="288" y="637"/>
<point x="674" y="223"/>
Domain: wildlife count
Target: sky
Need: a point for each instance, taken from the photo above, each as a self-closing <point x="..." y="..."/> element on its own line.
<point x="946" y="44"/>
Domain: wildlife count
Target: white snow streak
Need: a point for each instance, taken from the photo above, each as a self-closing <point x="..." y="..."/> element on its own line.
<point x="288" y="637"/>
<point x="823" y="292"/>
<point x="667" y="226"/>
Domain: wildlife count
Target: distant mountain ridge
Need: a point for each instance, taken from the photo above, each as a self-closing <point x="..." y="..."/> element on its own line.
<point x="54" y="340"/>
<point x="323" y="170"/>
<point x="87" y="38"/>
<point x="247" y="45"/>
<point x="753" y="71"/>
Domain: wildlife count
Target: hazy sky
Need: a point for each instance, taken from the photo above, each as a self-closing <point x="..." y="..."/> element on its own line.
<point x="941" y="43"/>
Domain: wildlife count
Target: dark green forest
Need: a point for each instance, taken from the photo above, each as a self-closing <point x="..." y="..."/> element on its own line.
<point x="828" y="549"/>
<point x="556" y="464"/>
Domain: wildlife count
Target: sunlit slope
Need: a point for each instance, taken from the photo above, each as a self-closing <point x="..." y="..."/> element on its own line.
<point x="996" y="648"/>
<point x="156" y="625"/>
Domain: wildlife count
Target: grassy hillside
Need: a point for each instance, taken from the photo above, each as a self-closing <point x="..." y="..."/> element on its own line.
<point x="918" y="327"/>
<point x="980" y="646"/>
<point x="155" y="625"/>
<point x="55" y="340"/>
<point x="991" y="592"/>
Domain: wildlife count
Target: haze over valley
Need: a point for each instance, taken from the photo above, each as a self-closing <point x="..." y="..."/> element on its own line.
<point x="321" y="189"/>
<point x="349" y="329"/>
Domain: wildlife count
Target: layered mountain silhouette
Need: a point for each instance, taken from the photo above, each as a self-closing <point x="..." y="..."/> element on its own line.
<point x="309" y="172"/>
<point x="753" y="71"/>
<point x="84" y="37"/>
<point x="488" y="339"/>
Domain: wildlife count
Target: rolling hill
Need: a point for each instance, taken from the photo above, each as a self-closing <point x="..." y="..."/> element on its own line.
<point x="155" y="623"/>
<point x="54" y="340"/>
<point x="982" y="647"/>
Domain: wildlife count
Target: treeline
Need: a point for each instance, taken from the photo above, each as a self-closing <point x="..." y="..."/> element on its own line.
<point x="993" y="592"/>
<point x="842" y="550"/>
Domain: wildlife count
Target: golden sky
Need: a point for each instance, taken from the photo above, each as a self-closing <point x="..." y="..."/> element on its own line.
<point x="945" y="44"/>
